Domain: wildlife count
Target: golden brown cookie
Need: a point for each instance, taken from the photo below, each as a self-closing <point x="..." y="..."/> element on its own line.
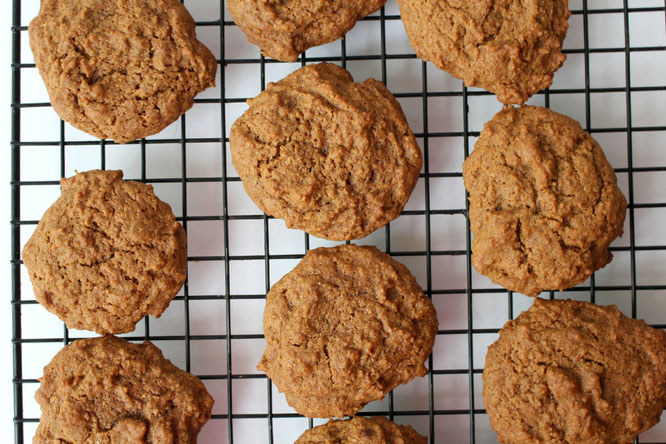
<point x="120" y="69"/>
<point x="284" y="29"/>
<point x="109" y="391"/>
<point x="106" y="253"/>
<point x="509" y="47"/>
<point x="543" y="201"/>
<point x="347" y="325"/>
<point x="572" y="372"/>
<point x="329" y="156"/>
<point x="361" y="430"/>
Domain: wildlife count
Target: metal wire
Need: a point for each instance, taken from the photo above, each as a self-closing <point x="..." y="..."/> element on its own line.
<point x="18" y="141"/>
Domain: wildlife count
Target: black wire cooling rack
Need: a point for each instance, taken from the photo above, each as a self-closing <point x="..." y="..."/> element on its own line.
<point x="443" y="422"/>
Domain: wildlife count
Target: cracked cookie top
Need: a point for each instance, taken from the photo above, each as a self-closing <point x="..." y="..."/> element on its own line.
<point x="329" y="156"/>
<point x="285" y="28"/>
<point x="509" y="47"/>
<point x="106" y="253"/>
<point x="347" y="325"/>
<point x="371" y="430"/>
<point x="543" y="201"/>
<point x="107" y="391"/>
<point x="120" y="69"/>
<point x="573" y="372"/>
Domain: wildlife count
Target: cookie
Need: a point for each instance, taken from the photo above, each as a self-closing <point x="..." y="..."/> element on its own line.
<point x="373" y="430"/>
<point x="286" y="28"/>
<point x="574" y="372"/>
<point x="329" y="156"/>
<point x="120" y="69"/>
<point x="106" y="253"/>
<point x="509" y="47"/>
<point x="347" y="325"/>
<point x="107" y="390"/>
<point x="543" y="201"/>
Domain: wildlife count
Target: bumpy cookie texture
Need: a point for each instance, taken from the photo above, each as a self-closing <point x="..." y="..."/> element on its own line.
<point x="120" y="69"/>
<point x="574" y="372"/>
<point x="544" y="204"/>
<point x="347" y="325"/>
<point x="329" y="156"/>
<point x="108" y="391"/>
<point x="509" y="47"/>
<point x="106" y="253"/>
<point x="285" y="28"/>
<point x="360" y="430"/>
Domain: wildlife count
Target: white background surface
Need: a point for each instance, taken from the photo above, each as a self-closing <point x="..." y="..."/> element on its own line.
<point x="407" y="233"/>
<point x="6" y="395"/>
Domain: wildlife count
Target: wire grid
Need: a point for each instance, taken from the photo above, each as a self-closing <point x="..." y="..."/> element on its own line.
<point x="475" y="420"/>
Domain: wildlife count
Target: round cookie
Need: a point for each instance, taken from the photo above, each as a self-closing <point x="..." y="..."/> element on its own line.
<point x="372" y="430"/>
<point x="329" y="156"/>
<point x="107" y="390"/>
<point x="120" y="70"/>
<point x="106" y="253"/>
<point x="543" y="201"/>
<point x="509" y="47"/>
<point x="347" y="325"/>
<point x="286" y="28"/>
<point x="573" y="372"/>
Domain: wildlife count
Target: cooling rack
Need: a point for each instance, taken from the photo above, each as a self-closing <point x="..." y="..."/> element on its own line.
<point x="614" y="83"/>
